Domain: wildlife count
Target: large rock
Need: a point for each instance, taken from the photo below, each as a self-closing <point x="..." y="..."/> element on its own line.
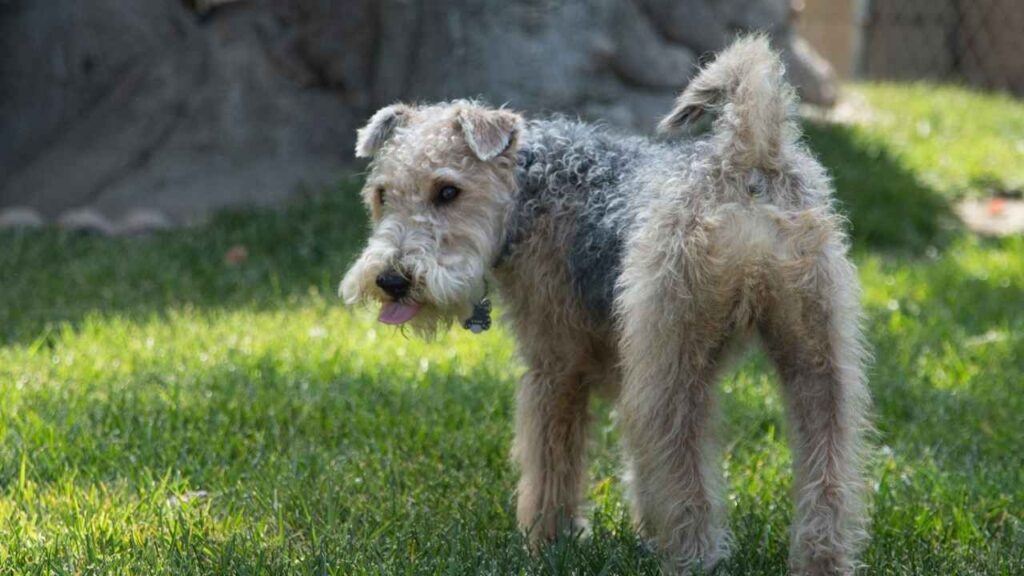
<point x="185" y="107"/>
<point x="122" y="105"/>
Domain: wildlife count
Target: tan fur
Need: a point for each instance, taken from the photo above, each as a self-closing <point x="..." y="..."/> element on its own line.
<point x="749" y="250"/>
<point x="446" y="253"/>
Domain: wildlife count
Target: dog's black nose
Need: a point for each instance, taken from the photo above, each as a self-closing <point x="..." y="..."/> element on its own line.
<point x="393" y="284"/>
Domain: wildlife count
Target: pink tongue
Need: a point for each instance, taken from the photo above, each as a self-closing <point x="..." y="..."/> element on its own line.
<point x="397" y="312"/>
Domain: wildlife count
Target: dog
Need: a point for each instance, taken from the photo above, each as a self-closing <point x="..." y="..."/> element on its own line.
<point x="637" y="268"/>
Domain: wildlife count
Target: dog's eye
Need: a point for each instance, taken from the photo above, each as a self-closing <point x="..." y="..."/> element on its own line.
<point x="446" y="194"/>
<point x="380" y="196"/>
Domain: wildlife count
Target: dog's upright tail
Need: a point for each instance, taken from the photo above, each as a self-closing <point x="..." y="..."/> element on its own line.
<point x="753" y="104"/>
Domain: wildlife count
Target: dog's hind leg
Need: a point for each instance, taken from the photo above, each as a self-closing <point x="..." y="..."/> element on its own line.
<point x="810" y="329"/>
<point x="675" y="329"/>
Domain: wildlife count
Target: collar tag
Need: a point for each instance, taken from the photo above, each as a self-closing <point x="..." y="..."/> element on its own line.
<point x="480" y="321"/>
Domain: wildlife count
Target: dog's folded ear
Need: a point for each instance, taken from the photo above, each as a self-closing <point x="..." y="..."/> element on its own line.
<point x="489" y="133"/>
<point x="381" y="126"/>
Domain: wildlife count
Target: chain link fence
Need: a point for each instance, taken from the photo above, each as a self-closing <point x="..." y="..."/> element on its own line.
<point x="974" y="42"/>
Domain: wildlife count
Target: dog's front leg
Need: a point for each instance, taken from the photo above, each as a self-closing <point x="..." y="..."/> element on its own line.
<point x="551" y="433"/>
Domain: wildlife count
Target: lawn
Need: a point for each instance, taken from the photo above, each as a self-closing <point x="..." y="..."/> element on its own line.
<point x="163" y="412"/>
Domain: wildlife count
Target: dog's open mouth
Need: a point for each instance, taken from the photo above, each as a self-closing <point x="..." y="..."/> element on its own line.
<point x="397" y="312"/>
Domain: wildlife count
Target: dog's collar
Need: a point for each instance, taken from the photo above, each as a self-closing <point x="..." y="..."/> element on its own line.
<point x="503" y="252"/>
<point x="480" y="320"/>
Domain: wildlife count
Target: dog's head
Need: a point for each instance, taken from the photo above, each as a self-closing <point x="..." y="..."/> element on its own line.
<point x="440" y="185"/>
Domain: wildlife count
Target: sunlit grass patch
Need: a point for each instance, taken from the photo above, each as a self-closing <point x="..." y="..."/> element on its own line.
<point x="956" y="140"/>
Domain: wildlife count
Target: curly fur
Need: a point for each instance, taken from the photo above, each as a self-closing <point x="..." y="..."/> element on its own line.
<point x="637" y="269"/>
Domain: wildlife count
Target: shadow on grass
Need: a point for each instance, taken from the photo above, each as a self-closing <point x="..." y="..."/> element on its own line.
<point x="889" y="208"/>
<point x="52" y="279"/>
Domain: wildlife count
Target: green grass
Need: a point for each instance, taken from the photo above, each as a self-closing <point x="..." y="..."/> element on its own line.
<point x="955" y="142"/>
<point x="137" y="374"/>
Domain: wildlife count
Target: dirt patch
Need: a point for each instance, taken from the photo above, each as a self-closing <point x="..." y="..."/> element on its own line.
<point x="997" y="216"/>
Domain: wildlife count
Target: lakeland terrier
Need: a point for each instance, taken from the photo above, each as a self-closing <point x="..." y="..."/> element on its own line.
<point x="636" y="268"/>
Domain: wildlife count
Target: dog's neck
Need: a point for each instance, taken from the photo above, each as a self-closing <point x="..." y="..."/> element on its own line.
<point x="569" y="203"/>
<point x="515" y="219"/>
<point x="480" y="320"/>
